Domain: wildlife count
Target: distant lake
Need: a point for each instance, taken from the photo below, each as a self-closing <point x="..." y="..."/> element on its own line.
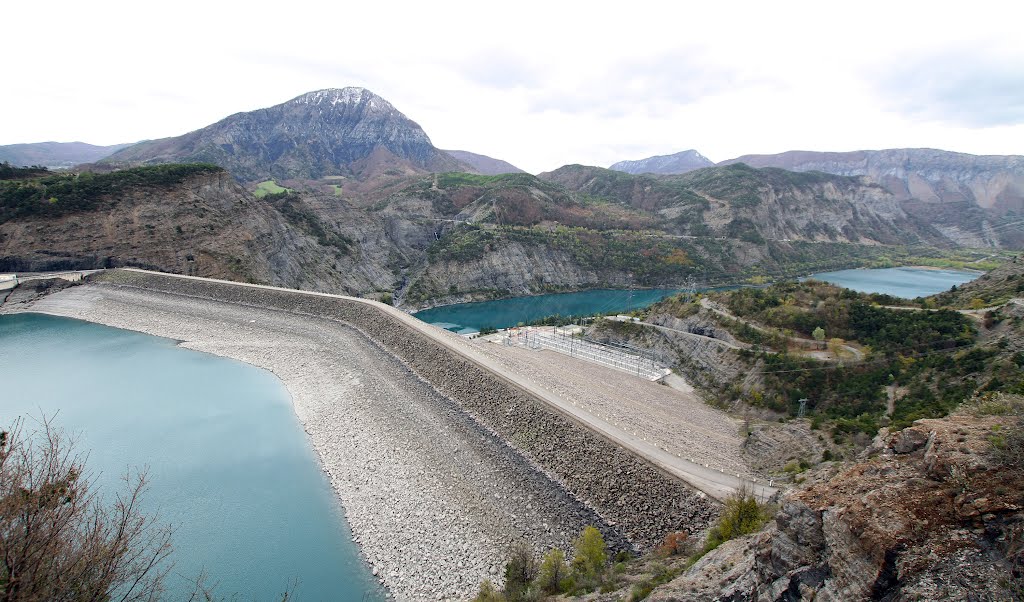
<point x="229" y="464"/>
<point x="465" y="318"/>
<point x="503" y="313"/>
<point x="908" y="283"/>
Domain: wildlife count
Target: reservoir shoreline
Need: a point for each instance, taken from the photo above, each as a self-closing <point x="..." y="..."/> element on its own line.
<point x="229" y="465"/>
<point x="434" y="490"/>
<point x="470" y="317"/>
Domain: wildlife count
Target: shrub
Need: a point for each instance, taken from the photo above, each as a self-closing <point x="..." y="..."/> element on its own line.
<point x="591" y="556"/>
<point x="742" y="515"/>
<point x="553" y="576"/>
<point x="996" y="404"/>
<point x="488" y="593"/>
<point x="59" y="194"/>
<point x="60" y="539"/>
<point x="520" y="572"/>
<point x="674" y="544"/>
<point x="1008" y="446"/>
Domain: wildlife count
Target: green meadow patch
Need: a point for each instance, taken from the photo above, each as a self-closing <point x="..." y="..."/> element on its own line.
<point x="269" y="187"/>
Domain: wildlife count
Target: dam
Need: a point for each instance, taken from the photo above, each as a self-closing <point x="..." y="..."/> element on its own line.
<point x="440" y="455"/>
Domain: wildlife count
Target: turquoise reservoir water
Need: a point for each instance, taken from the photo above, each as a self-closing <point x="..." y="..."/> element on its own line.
<point x="907" y="283"/>
<point x="229" y="464"/>
<point x="471" y="317"/>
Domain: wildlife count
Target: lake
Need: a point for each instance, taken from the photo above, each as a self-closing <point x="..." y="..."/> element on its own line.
<point x="470" y="317"/>
<point x="465" y="318"/>
<point x="229" y="464"/>
<point x="908" y="283"/>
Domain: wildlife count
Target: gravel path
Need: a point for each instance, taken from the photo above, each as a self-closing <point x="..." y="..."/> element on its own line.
<point x="433" y="498"/>
<point x="671" y="419"/>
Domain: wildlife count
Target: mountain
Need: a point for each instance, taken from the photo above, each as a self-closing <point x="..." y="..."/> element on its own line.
<point x="577" y="227"/>
<point x="680" y="162"/>
<point x="56" y="154"/>
<point x="458" y="236"/>
<point x="488" y="166"/>
<point x="992" y="182"/>
<point x="348" y="132"/>
<point x="757" y="205"/>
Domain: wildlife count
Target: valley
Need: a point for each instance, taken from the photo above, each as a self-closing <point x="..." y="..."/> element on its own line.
<point x="299" y="237"/>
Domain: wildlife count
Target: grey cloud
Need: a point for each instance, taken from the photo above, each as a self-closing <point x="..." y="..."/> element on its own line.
<point x="974" y="88"/>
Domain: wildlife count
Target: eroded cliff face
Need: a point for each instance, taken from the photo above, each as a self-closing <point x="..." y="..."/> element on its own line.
<point x="928" y="175"/>
<point x="738" y="201"/>
<point x="508" y="269"/>
<point x="208" y="226"/>
<point x="827" y="211"/>
<point x="932" y="514"/>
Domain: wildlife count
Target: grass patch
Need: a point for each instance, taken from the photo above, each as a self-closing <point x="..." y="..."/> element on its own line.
<point x="269" y="187"/>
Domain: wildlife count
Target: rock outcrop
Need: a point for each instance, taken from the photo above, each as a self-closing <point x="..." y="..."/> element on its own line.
<point x="931" y="515"/>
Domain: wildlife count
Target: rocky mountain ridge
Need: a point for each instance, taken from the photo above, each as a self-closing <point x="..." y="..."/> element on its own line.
<point x="759" y="204"/>
<point x="482" y="237"/>
<point x="335" y="132"/>
<point x="925" y="175"/>
<point x="457" y="236"/>
<point x="676" y="163"/>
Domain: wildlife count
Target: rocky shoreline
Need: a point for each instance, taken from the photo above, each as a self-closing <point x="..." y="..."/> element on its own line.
<point x="439" y="465"/>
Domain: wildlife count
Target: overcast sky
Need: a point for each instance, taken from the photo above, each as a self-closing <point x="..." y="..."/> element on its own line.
<point x="537" y="84"/>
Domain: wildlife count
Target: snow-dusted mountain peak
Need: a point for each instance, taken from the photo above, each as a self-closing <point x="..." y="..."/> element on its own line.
<point x="351" y="95"/>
